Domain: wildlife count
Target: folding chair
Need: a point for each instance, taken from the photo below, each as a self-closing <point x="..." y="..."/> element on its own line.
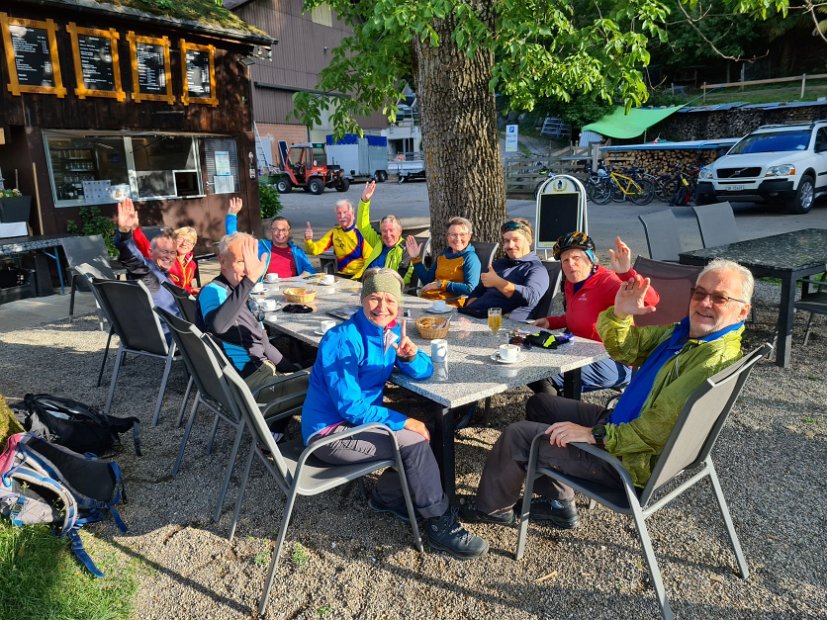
<point x="128" y="306"/>
<point x="814" y="303"/>
<point x="210" y="394"/>
<point x="673" y="283"/>
<point x="717" y="224"/>
<point x="294" y="468"/>
<point x="687" y="449"/>
<point x="90" y="251"/>
<point x="662" y="239"/>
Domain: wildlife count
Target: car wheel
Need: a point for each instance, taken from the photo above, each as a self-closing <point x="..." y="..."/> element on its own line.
<point x="315" y="186"/>
<point x="343" y="185"/>
<point x="284" y="185"/>
<point x="803" y="200"/>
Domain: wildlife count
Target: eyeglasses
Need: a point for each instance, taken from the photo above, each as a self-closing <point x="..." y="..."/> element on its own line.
<point x="699" y="294"/>
<point x="282" y="230"/>
<point x="458" y="235"/>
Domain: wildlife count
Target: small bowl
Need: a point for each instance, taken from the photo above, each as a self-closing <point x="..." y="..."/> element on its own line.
<point x="299" y="295"/>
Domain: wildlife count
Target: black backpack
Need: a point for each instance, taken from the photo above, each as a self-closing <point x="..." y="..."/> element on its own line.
<point x="76" y="426"/>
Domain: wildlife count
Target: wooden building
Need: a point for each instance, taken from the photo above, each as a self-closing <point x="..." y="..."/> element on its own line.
<point x="100" y="101"/>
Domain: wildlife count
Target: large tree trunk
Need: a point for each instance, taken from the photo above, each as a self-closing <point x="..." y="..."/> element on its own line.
<point x="459" y="135"/>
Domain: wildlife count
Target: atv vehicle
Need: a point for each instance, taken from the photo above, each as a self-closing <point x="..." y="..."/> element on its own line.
<point x="305" y="165"/>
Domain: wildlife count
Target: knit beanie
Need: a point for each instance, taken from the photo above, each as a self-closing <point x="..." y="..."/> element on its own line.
<point x="382" y="281"/>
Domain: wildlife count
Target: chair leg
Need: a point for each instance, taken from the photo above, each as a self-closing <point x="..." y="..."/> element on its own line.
<point x="72" y="301"/>
<point x="105" y="356"/>
<point x="730" y="527"/>
<point x="406" y="492"/>
<point x="525" y="512"/>
<point x="115" y="372"/>
<point x="242" y="488"/>
<point x="807" y="332"/>
<point x="163" y="389"/>
<point x="214" y="430"/>
<point x="184" y="402"/>
<point x="230" y="464"/>
<point x="285" y="521"/>
<point x="651" y="561"/>
<point x="180" y="458"/>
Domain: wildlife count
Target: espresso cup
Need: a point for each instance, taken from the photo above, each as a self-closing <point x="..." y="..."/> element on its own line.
<point x="258" y="287"/>
<point x="439" y="306"/>
<point x="328" y="279"/>
<point x="509" y="352"/>
<point x="326" y="324"/>
<point x="439" y="351"/>
<point x="271" y="277"/>
<point x="268" y="305"/>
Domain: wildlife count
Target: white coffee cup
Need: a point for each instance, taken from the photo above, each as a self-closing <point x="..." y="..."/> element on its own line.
<point x="258" y="287"/>
<point x="268" y="305"/>
<point x="326" y="324"/>
<point x="328" y="279"/>
<point x="439" y="351"/>
<point x="271" y="277"/>
<point x="439" y="305"/>
<point x="509" y="352"/>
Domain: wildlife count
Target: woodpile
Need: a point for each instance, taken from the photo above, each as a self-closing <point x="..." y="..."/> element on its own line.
<point x="660" y="161"/>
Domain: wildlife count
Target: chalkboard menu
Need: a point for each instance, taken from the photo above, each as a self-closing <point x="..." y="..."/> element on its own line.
<point x="31" y="56"/>
<point x="97" y="67"/>
<point x="151" y="73"/>
<point x="198" y="73"/>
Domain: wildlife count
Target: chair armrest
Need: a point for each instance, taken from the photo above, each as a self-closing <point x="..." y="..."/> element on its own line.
<point x="309" y="450"/>
<point x="300" y="374"/>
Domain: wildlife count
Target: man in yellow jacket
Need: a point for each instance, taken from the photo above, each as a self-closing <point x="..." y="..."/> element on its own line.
<point x="346" y="239"/>
<point x="673" y="360"/>
<point x="386" y="244"/>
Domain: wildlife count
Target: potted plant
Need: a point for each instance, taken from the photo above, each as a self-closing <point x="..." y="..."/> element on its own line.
<point x="14" y="206"/>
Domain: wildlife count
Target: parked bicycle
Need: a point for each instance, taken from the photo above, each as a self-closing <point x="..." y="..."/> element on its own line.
<point x="617" y="186"/>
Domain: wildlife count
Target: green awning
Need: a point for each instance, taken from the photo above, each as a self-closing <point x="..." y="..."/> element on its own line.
<point x="618" y="124"/>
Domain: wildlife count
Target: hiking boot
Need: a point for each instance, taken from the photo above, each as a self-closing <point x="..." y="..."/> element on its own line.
<point x="399" y="511"/>
<point x="446" y="534"/>
<point x="560" y="514"/>
<point x="469" y="513"/>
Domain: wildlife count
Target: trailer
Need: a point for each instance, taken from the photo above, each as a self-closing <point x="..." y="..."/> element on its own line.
<point x="360" y="157"/>
<point x="407" y="166"/>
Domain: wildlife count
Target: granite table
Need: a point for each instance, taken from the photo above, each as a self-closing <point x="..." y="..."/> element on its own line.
<point x="13" y="246"/>
<point x="788" y="256"/>
<point x="471" y="373"/>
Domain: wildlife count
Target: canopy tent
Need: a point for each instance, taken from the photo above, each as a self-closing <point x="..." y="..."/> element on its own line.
<point x="618" y="124"/>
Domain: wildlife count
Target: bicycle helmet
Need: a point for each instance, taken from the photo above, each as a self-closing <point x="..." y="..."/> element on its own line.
<point x="574" y="240"/>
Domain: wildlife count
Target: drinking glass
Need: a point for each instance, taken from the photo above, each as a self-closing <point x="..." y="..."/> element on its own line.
<point x="495" y="319"/>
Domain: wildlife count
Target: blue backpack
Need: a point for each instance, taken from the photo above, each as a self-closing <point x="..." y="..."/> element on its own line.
<point x="42" y="482"/>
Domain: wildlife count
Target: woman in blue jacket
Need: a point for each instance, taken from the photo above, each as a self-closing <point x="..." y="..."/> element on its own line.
<point x="354" y="361"/>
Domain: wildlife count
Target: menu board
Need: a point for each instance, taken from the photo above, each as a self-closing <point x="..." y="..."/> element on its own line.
<point x="31" y="56"/>
<point x="198" y="73"/>
<point x="151" y="72"/>
<point x="97" y="67"/>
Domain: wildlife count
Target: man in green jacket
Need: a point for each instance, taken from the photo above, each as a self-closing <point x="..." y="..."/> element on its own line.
<point x="387" y="248"/>
<point x="672" y="360"/>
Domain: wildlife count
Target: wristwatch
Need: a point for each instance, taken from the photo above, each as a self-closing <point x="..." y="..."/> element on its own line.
<point x="599" y="434"/>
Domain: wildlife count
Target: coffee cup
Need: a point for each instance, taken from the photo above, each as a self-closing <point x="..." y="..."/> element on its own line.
<point x="439" y="306"/>
<point x="326" y="324"/>
<point x="268" y="305"/>
<point x="439" y="351"/>
<point x="328" y="279"/>
<point x="509" y="352"/>
<point x="271" y="277"/>
<point x="258" y="287"/>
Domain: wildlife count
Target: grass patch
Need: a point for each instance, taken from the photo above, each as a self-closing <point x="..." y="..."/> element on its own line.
<point x="299" y="555"/>
<point x="41" y="578"/>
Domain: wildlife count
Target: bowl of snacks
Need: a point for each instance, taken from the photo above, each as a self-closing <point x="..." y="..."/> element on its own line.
<point x="299" y="295"/>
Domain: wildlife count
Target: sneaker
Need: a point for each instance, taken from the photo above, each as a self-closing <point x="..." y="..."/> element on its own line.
<point x="446" y="534"/>
<point x="469" y="513"/>
<point x="560" y="514"/>
<point x="399" y="511"/>
<point x="463" y="416"/>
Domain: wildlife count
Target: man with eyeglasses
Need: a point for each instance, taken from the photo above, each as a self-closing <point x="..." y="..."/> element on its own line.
<point x="282" y="256"/>
<point x="152" y="271"/>
<point x="673" y="360"/>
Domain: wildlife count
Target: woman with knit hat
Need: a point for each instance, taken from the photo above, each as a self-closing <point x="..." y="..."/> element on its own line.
<point x="589" y="289"/>
<point x="347" y="381"/>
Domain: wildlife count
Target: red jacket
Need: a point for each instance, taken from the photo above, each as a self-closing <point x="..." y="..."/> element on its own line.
<point x="597" y="293"/>
<point x="182" y="272"/>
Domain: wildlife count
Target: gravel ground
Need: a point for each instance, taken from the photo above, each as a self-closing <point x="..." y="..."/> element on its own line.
<point x="342" y="561"/>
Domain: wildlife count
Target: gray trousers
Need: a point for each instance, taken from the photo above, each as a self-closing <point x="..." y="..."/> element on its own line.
<point x="504" y="472"/>
<point x="417" y="458"/>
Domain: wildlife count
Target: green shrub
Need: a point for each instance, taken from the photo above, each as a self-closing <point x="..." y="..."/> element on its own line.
<point x="269" y="200"/>
<point x="93" y="222"/>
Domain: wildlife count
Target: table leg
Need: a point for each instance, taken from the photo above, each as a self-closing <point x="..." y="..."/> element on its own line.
<point x="442" y="444"/>
<point x="786" y="316"/>
<point x="56" y="257"/>
<point x="571" y="384"/>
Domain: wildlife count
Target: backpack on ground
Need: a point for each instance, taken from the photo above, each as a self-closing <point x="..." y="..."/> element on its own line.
<point x="41" y="482"/>
<point x="77" y="426"/>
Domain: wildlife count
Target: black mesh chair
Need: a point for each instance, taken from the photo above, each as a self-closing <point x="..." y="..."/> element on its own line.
<point x="673" y="283"/>
<point x="90" y="251"/>
<point x="128" y="306"/>
<point x="486" y="253"/>
<point x="814" y="302"/>
<point x="188" y="308"/>
<point x="717" y="224"/>
<point x="555" y="275"/>
<point x="684" y="462"/>
<point x="662" y="239"/>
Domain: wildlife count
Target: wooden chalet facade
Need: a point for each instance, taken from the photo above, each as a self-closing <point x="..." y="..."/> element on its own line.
<point x="100" y="101"/>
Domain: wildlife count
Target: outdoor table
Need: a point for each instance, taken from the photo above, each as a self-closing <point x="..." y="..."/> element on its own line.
<point x="472" y="374"/>
<point x="788" y="256"/>
<point x="13" y="246"/>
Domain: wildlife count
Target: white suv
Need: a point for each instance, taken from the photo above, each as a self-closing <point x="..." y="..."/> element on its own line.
<point x="775" y="164"/>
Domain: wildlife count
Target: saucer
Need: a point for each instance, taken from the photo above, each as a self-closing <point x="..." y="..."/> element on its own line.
<point x="496" y="357"/>
<point x="435" y="311"/>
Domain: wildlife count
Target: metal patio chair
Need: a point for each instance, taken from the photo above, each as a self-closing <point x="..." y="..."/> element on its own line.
<point x="555" y="275"/>
<point x="673" y="283"/>
<point x="717" y="224"/>
<point x="814" y="302"/>
<point x="662" y="239"/>
<point x="687" y="450"/>
<point x="90" y="251"/>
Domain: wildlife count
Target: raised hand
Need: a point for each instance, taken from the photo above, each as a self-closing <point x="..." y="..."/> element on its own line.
<point x="629" y="300"/>
<point x="235" y="205"/>
<point x="127" y="215"/>
<point x="412" y="246"/>
<point x="253" y="265"/>
<point x="406" y="347"/>
<point x="308" y="232"/>
<point x="621" y="257"/>
<point x="367" y="193"/>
